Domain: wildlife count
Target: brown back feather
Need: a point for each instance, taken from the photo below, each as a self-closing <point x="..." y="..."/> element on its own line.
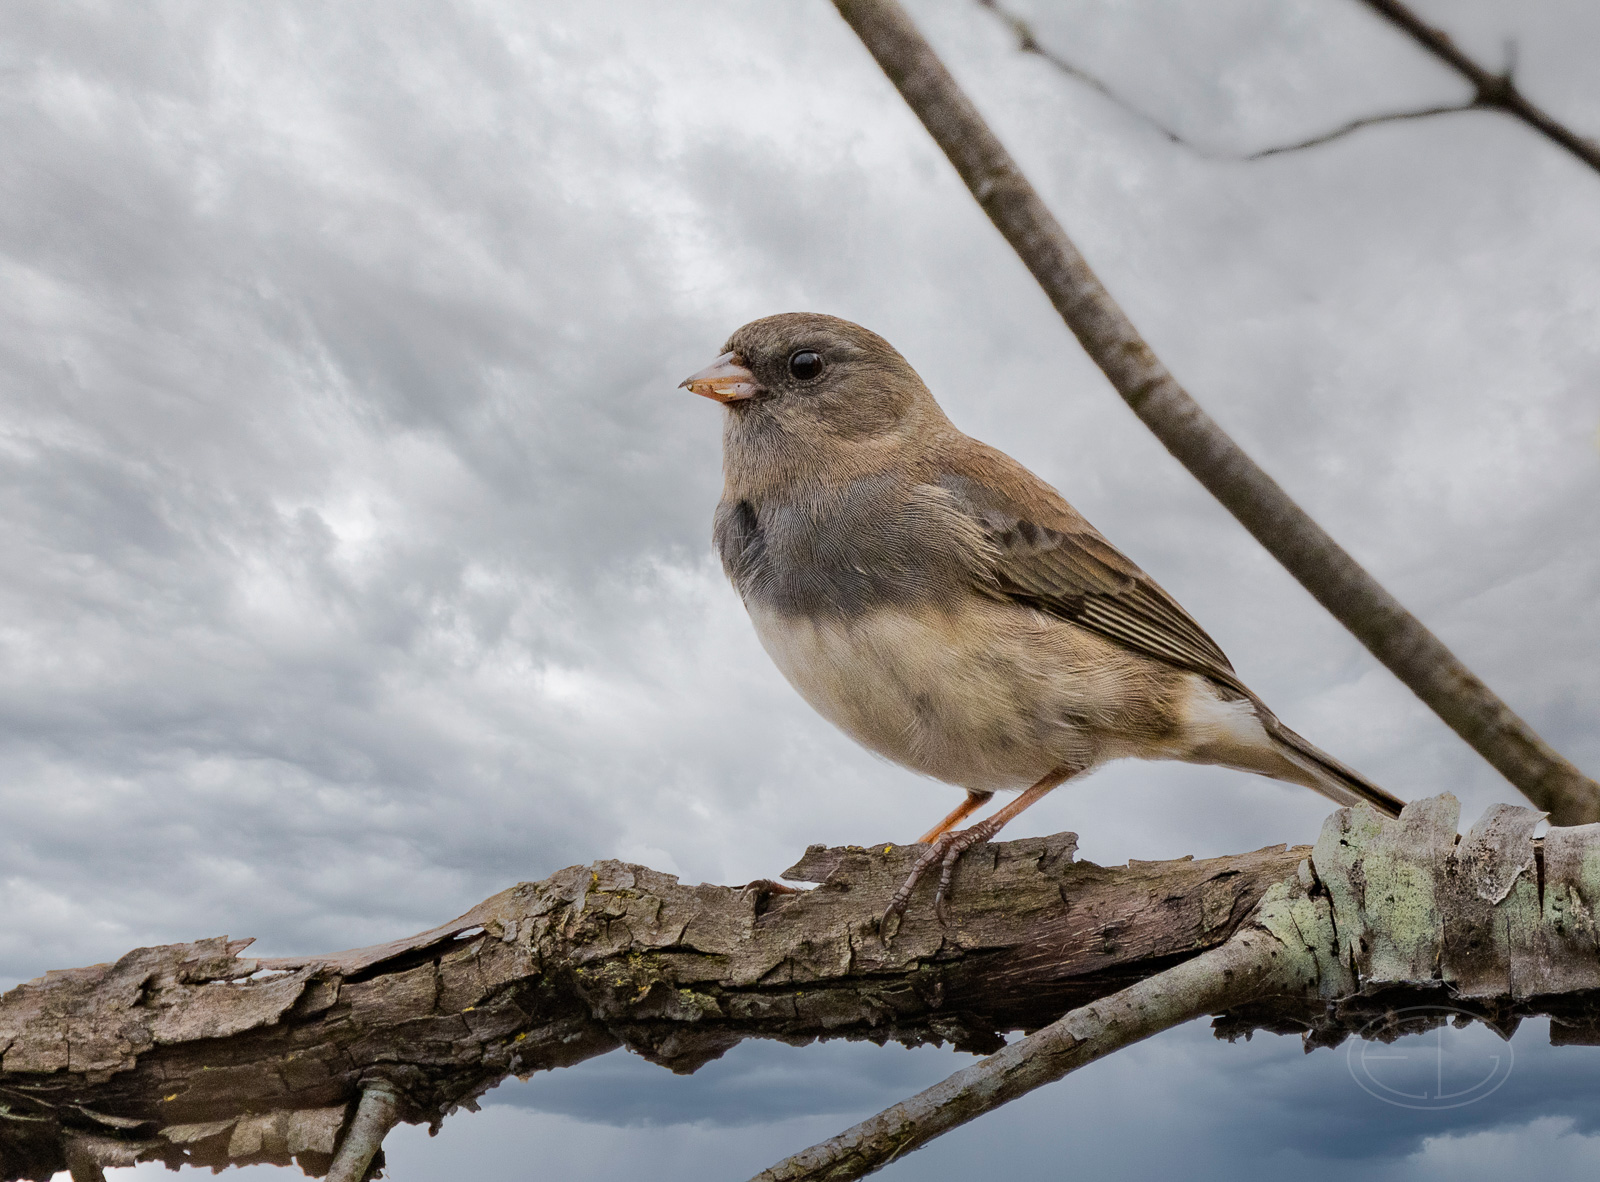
<point x="1047" y="555"/>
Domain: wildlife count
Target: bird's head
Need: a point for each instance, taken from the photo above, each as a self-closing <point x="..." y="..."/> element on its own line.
<point x="812" y="391"/>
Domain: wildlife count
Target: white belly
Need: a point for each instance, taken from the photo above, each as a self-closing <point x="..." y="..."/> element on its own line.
<point x="988" y="703"/>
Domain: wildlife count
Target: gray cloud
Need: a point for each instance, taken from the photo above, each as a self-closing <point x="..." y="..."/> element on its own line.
<point x="355" y="537"/>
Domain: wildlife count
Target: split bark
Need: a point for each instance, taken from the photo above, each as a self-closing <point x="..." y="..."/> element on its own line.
<point x="1241" y="971"/>
<point x="193" y="1054"/>
<point x="1385" y="923"/>
<point x="1323" y="567"/>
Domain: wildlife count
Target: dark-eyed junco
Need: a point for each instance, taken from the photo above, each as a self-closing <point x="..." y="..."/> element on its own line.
<point x="944" y="606"/>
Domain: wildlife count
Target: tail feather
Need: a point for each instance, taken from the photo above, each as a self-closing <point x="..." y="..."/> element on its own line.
<point x="1324" y="773"/>
<point x="1233" y="727"/>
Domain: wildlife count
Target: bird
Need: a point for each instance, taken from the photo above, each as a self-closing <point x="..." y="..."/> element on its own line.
<point x="948" y="609"/>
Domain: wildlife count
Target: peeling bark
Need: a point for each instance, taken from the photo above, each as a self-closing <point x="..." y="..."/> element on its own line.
<point x="1383" y="917"/>
<point x="196" y="1054"/>
<point x="193" y="1053"/>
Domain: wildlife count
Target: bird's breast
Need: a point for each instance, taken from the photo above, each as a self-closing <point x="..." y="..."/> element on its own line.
<point x="986" y="695"/>
<point x="873" y="543"/>
<point x="875" y="602"/>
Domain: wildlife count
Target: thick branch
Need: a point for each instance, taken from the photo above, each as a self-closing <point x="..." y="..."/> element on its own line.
<point x="1245" y="969"/>
<point x="190" y="1054"/>
<point x="1323" y="567"/>
<point x="1493" y="91"/>
<point x="1383" y="915"/>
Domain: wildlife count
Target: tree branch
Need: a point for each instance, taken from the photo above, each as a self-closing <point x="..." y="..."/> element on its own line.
<point x="190" y="1054"/>
<point x="1243" y="970"/>
<point x="376" y="1114"/>
<point x="1355" y="125"/>
<point x="1323" y="567"/>
<point x="1384" y="915"/>
<point x="1028" y="42"/>
<point x="1491" y="91"/>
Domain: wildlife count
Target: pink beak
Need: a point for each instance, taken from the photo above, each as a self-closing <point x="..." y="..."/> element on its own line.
<point x="726" y="380"/>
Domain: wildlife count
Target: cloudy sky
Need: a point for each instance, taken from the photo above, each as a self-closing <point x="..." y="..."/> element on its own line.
<point x="355" y="539"/>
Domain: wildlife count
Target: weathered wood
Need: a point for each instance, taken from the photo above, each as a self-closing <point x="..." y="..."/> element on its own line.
<point x="1383" y="916"/>
<point x="1249" y="966"/>
<point x="192" y="1053"/>
<point x="195" y="1054"/>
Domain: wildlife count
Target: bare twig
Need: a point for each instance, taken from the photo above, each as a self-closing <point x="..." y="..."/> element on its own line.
<point x="378" y="1112"/>
<point x="1492" y="91"/>
<point x="1027" y="42"/>
<point x="1323" y="567"/>
<point x="1344" y="129"/>
<point x="1251" y="965"/>
<point x="1313" y="943"/>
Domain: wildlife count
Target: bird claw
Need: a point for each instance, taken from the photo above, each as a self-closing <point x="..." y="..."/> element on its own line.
<point x="961" y="843"/>
<point x="885" y="936"/>
<point x="760" y="890"/>
<point x="768" y="886"/>
<point x="946" y="850"/>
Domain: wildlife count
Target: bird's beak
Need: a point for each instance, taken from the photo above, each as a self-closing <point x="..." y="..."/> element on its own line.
<point x="726" y="379"/>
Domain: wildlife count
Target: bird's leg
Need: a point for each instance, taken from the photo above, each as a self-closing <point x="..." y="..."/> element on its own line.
<point x="961" y="842"/>
<point x="902" y="897"/>
<point x="973" y="802"/>
<point x="949" y="847"/>
<point x="936" y="838"/>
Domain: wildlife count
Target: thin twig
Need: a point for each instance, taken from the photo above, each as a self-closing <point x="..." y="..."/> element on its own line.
<point x="1323" y="567"/>
<point x="1027" y="42"/>
<point x="377" y="1113"/>
<point x="1355" y="125"/>
<point x="1491" y="90"/>
<point x="1253" y="964"/>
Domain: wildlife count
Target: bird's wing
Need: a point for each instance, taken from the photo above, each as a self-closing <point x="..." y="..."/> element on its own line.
<point x="1043" y="553"/>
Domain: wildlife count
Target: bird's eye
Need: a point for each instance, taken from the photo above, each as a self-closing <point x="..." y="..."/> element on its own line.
<point x="805" y="364"/>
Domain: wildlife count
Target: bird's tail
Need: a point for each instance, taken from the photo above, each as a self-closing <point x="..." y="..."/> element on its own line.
<point x="1323" y="773"/>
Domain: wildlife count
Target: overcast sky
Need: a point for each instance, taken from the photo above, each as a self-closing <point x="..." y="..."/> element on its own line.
<point x="354" y="538"/>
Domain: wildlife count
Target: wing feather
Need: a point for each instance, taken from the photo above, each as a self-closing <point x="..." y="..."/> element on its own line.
<point x="1043" y="553"/>
<point x="1071" y="571"/>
